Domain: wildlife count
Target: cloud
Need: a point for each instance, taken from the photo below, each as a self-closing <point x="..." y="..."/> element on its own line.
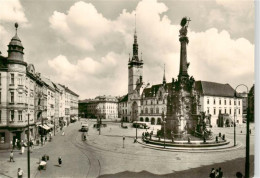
<point x="12" y="11"/>
<point x="238" y="14"/>
<point x="91" y="77"/>
<point x="213" y="54"/>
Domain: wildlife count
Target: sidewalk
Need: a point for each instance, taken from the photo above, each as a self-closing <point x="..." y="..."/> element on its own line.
<point x="9" y="169"/>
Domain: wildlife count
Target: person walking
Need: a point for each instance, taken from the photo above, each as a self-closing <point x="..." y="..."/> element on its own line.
<point x="20" y="173"/>
<point x="59" y="160"/>
<point x="212" y="173"/>
<point x="12" y="156"/>
<point x="220" y="173"/>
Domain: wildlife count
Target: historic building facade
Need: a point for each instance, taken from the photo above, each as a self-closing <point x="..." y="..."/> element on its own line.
<point x="143" y="102"/>
<point x="24" y="95"/>
<point x="105" y="107"/>
<point x="179" y="100"/>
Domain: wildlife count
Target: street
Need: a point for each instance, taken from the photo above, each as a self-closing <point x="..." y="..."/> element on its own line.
<point x="104" y="155"/>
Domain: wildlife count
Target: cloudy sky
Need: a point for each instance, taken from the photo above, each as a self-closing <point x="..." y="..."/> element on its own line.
<point x="86" y="44"/>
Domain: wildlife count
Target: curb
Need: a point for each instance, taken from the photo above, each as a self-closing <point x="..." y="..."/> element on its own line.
<point x="198" y="150"/>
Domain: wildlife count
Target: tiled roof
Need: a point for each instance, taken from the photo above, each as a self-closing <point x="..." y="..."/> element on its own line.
<point x="214" y="89"/>
<point x="124" y="99"/>
<point x="48" y="82"/>
<point x="148" y="92"/>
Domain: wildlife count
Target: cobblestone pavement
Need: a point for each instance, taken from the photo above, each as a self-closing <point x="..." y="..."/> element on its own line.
<point x="104" y="155"/>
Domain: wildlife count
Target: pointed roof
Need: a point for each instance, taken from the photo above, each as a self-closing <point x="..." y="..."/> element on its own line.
<point x="153" y="90"/>
<point x="16" y="40"/>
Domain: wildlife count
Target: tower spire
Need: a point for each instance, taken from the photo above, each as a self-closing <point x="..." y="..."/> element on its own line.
<point x="164" y="79"/>
<point x="135" y="45"/>
<point x="135" y="23"/>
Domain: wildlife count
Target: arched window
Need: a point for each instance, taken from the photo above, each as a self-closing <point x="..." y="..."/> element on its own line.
<point x="147" y="119"/>
<point x="141" y="119"/>
<point x="159" y="121"/>
<point x="146" y="110"/>
<point x="152" y="121"/>
<point x="157" y="110"/>
<point x="151" y="110"/>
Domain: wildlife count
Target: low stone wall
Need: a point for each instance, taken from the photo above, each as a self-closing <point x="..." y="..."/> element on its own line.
<point x="186" y="144"/>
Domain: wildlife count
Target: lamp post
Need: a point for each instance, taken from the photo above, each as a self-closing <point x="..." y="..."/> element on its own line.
<point x="28" y="145"/>
<point x="247" y="163"/>
<point x="164" y="122"/>
<point x="100" y="124"/>
<point x="235" y="126"/>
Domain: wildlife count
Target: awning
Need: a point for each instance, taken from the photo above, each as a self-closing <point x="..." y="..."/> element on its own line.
<point x="45" y="127"/>
<point x="50" y="125"/>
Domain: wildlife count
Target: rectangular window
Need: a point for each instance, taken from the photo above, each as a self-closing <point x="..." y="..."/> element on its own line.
<point x="20" y="99"/>
<point x="238" y="103"/>
<point x="230" y="111"/>
<point x="214" y="111"/>
<point x="214" y="101"/>
<point x="229" y="102"/>
<point x="12" y="115"/>
<point x="2" y="137"/>
<point x="219" y="101"/>
<point x="20" y="115"/>
<point x="219" y="111"/>
<point x="208" y="110"/>
<point x="235" y="102"/>
<point x="225" y="102"/>
<point x="0" y="116"/>
<point x="20" y="80"/>
<point x="12" y="97"/>
<point x="12" y="79"/>
<point x="0" y="79"/>
<point x="239" y="111"/>
<point x="207" y="101"/>
<point x="225" y="111"/>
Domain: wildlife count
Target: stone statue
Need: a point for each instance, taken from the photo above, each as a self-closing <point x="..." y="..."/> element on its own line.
<point x="184" y="23"/>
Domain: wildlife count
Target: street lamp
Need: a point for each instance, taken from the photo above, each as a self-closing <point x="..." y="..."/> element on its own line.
<point x="135" y="124"/>
<point x="28" y="145"/>
<point x="164" y="122"/>
<point x="247" y="137"/>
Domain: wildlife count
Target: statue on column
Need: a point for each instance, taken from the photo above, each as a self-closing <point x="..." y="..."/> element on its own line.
<point x="184" y="23"/>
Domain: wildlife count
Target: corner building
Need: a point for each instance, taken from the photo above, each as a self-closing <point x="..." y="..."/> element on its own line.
<point x="17" y="90"/>
<point x="26" y="95"/>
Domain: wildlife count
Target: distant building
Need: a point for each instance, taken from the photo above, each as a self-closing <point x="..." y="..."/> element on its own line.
<point x="102" y="106"/>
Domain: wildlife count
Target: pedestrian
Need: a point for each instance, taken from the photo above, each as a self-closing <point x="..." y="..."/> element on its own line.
<point x="212" y="173"/>
<point x="12" y="156"/>
<point x="22" y="149"/>
<point x="60" y="160"/>
<point x="220" y="173"/>
<point x="20" y="173"/>
<point x="217" y="173"/>
<point x="11" y="144"/>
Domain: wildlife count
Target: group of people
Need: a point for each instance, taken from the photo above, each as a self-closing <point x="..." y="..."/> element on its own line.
<point x="216" y="173"/>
